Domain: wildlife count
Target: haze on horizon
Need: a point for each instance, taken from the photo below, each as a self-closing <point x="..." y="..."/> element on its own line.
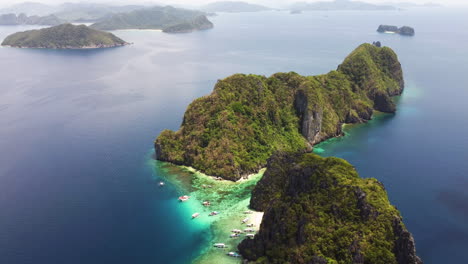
<point x="270" y="3"/>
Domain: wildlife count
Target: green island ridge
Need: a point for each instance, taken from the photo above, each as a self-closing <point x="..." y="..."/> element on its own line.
<point x="65" y="36"/>
<point x="168" y="18"/>
<point x="23" y="19"/>
<point x="232" y="132"/>
<point x="318" y="210"/>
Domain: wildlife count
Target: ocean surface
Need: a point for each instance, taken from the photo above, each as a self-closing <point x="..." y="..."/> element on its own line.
<point x="78" y="183"/>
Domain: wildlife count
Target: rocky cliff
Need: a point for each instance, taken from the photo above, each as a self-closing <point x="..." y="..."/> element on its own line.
<point x="233" y="131"/>
<point x="405" y="30"/>
<point x="318" y="210"/>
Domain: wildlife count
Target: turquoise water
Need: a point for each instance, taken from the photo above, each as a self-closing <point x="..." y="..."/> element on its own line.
<point x="77" y="179"/>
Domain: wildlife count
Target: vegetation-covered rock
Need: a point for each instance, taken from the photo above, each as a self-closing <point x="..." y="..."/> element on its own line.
<point x="318" y="210"/>
<point x="405" y="30"/>
<point x="233" y="131"/>
<point x="198" y="23"/>
<point x="66" y="36"/>
<point x="167" y="18"/>
<point x="22" y="19"/>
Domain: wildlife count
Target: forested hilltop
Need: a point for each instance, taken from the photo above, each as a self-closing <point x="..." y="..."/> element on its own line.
<point x="168" y="19"/>
<point x="318" y="210"/>
<point x="232" y="132"/>
<point x="65" y="36"/>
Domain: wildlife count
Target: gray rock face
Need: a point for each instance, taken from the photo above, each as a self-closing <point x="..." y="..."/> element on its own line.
<point x="405" y="247"/>
<point x="383" y="103"/>
<point x="311" y="120"/>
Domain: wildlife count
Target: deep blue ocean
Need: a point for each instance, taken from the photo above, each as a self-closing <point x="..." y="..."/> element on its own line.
<point x="77" y="131"/>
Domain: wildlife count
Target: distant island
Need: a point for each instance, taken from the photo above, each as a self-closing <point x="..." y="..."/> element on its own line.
<point x="65" y="36"/>
<point x="340" y="5"/>
<point x="405" y="30"/>
<point x="318" y="210"/>
<point x="22" y="19"/>
<point x="233" y="7"/>
<point x="168" y="19"/>
<point x="232" y="132"/>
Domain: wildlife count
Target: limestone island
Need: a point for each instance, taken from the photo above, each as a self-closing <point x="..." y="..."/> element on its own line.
<point x="65" y="36"/>
<point x="232" y="132"/>
<point x="318" y="210"/>
<point x="168" y="19"/>
<point x="22" y="19"/>
<point x="405" y="30"/>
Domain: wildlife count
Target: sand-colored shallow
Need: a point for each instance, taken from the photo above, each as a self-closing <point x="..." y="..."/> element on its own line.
<point x="230" y="199"/>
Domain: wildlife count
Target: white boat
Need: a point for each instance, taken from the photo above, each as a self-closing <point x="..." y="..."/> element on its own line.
<point x="219" y="245"/>
<point x="249" y="230"/>
<point x="206" y="203"/>
<point x="161" y="184"/>
<point x="234" y="235"/>
<point x="248" y="212"/>
<point x="245" y="220"/>
<point x="250" y="235"/>
<point x="249" y="225"/>
<point x="184" y="198"/>
<point x="236" y="231"/>
<point x="214" y="213"/>
<point x="234" y="254"/>
<point x="195" y="215"/>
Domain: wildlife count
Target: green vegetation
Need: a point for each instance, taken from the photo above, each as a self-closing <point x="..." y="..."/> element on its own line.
<point x="247" y="118"/>
<point x="66" y="36"/>
<point x="318" y="210"/>
<point x="167" y="18"/>
<point x="22" y="19"/>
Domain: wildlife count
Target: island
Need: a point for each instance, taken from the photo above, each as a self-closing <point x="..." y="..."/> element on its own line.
<point x="318" y="210"/>
<point x="340" y="5"/>
<point x="22" y="19"/>
<point x="65" y="36"/>
<point x="405" y="30"/>
<point x="233" y="7"/>
<point x="232" y="132"/>
<point x="168" y="19"/>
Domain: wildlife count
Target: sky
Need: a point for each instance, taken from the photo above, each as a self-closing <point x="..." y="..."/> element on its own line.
<point x="271" y="3"/>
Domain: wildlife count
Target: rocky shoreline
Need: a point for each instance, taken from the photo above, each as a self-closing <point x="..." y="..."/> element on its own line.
<point x="72" y="48"/>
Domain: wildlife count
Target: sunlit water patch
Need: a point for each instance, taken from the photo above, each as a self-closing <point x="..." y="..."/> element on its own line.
<point x="229" y="199"/>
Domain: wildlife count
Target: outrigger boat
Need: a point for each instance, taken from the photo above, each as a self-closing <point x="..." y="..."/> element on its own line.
<point x="234" y="235"/>
<point x="249" y="225"/>
<point x="161" y="184"/>
<point x="245" y="220"/>
<point x="250" y="235"/>
<point x="206" y="203"/>
<point x="219" y="245"/>
<point x="236" y="231"/>
<point x="214" y="213"/>
<point x="249" y="230"/>
<point x="234" y="254"/>
<point x="248" y="212"/>
<point x="195" y="215"/>
<point x="184" y="198"/>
